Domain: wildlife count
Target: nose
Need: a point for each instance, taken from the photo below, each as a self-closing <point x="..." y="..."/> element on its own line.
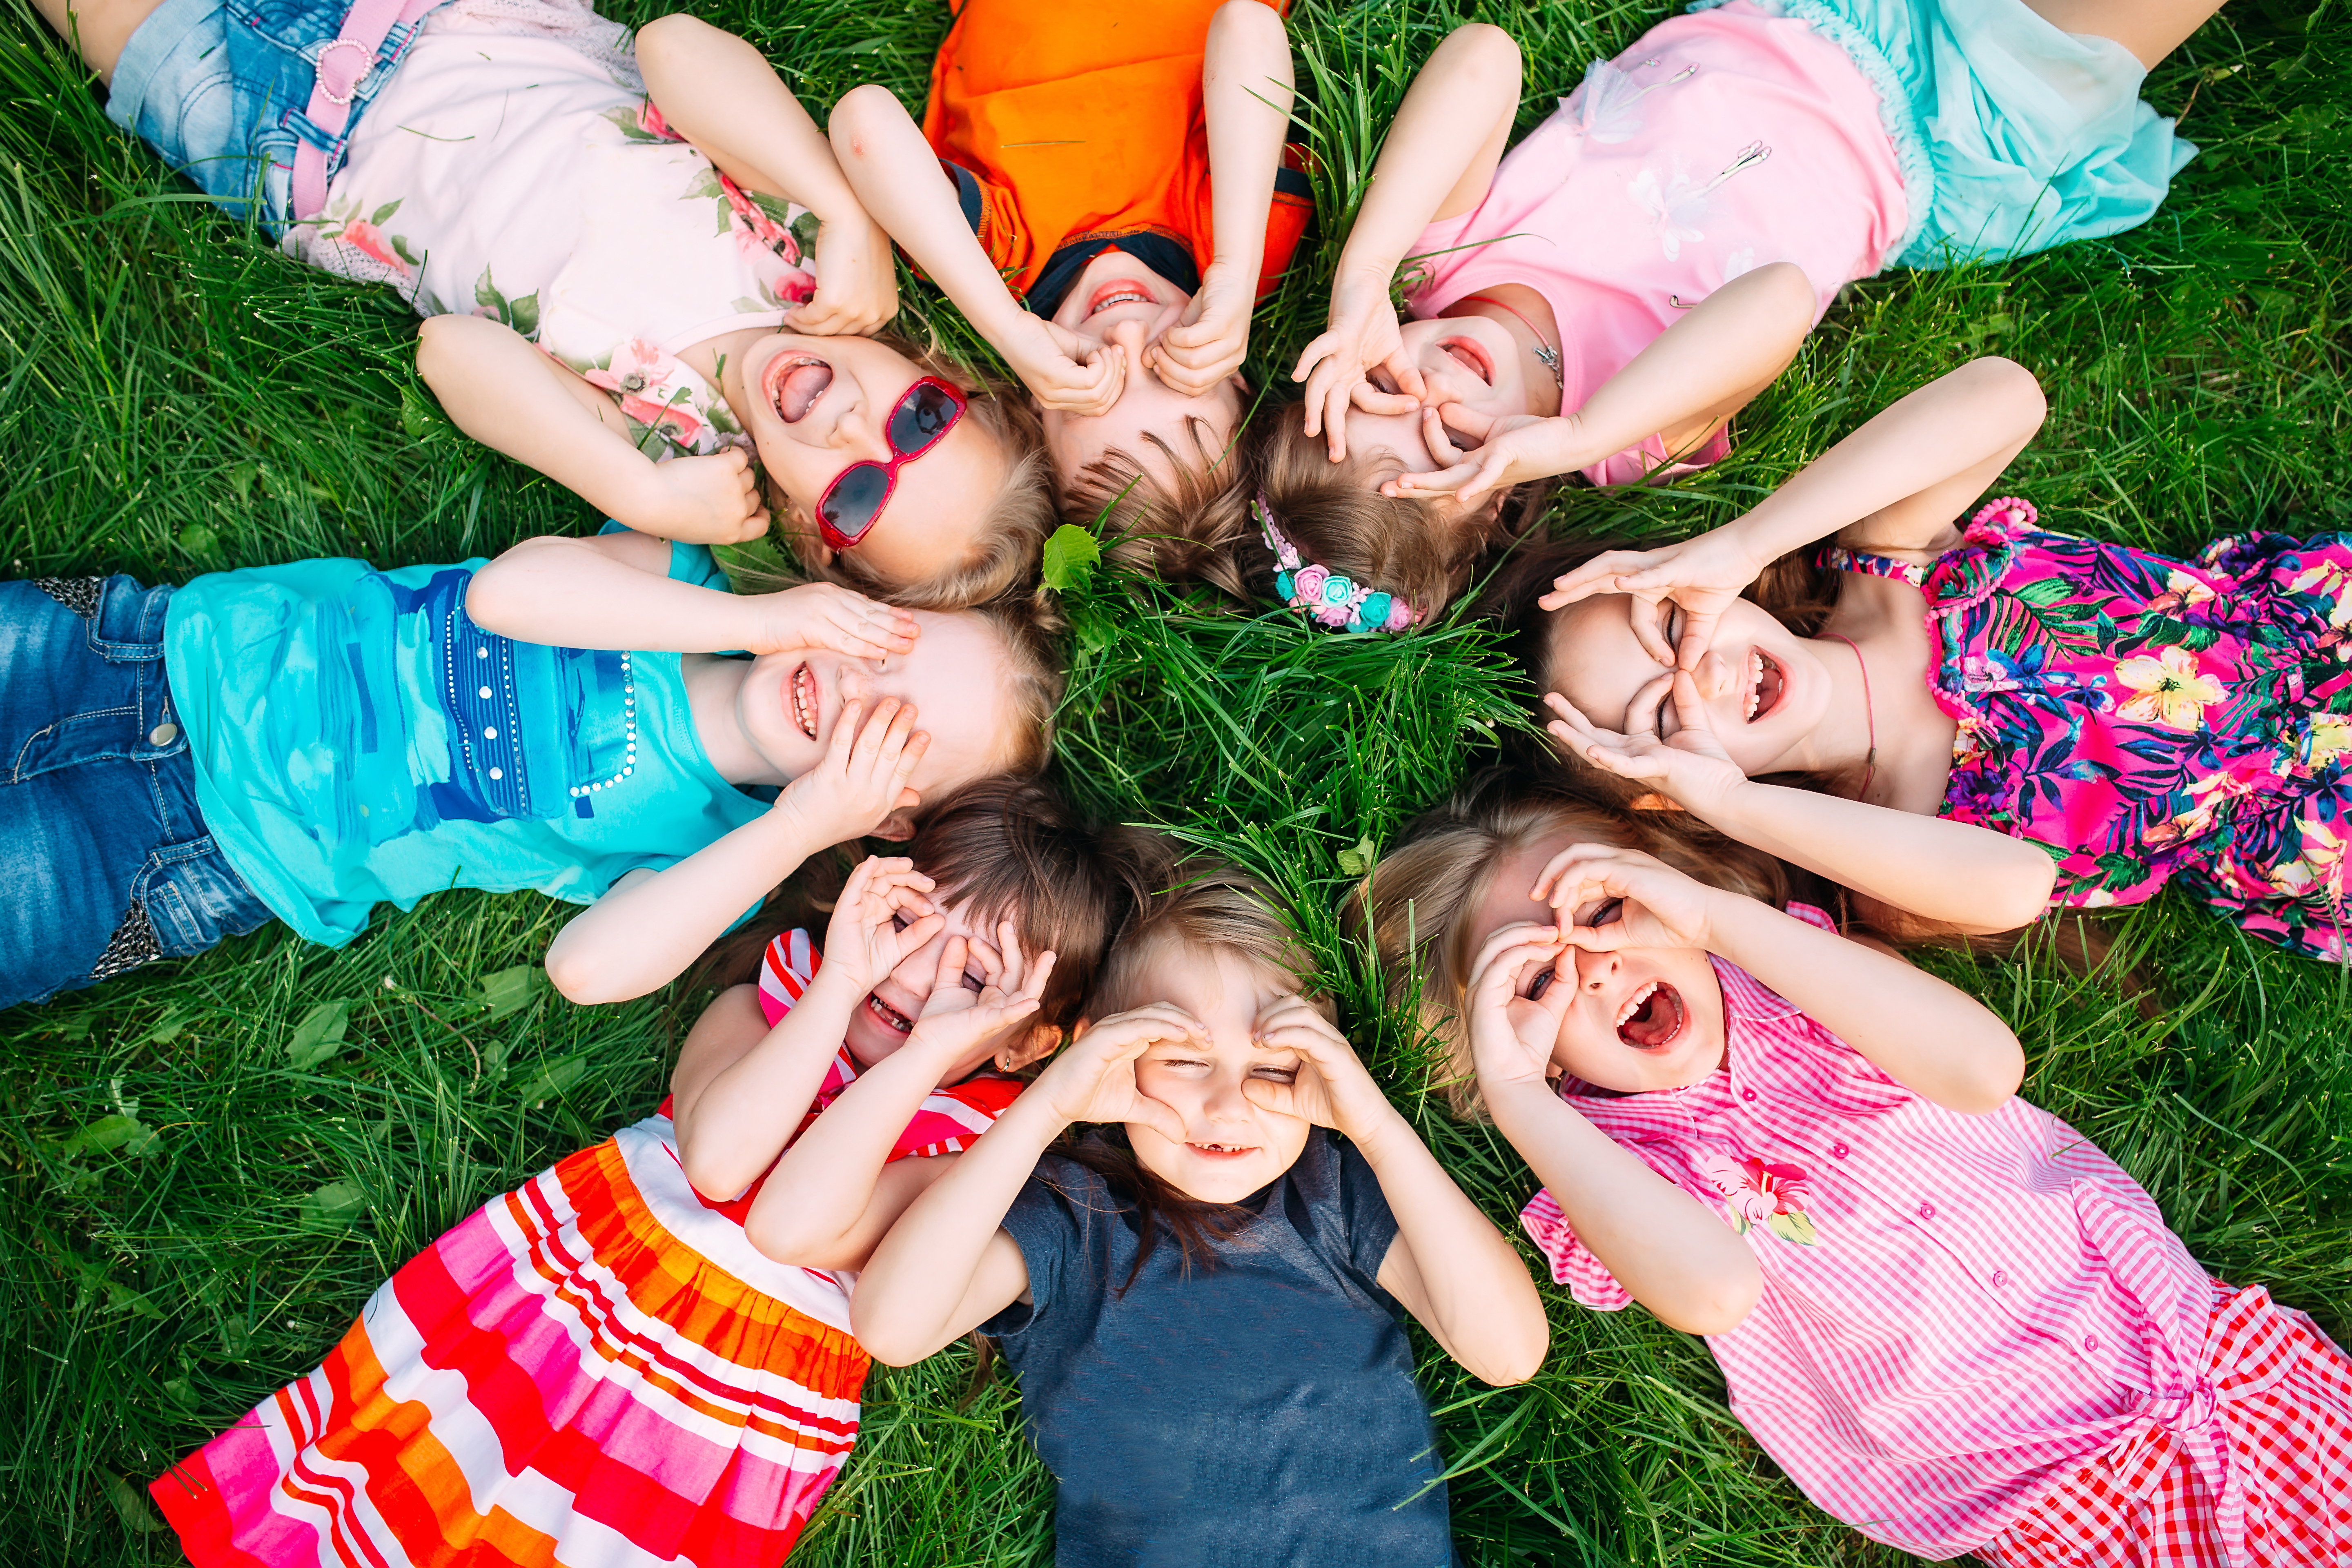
<point x="1715" y="675"/>
<point x="1593" y="969"/>
<point x="857" y="436"/>
<point x="1129" y="335"/>
<point x="1223" y="1101"/>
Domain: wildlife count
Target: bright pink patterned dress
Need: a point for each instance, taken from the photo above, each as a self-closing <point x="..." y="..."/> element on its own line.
<point x="2150" y="720"/>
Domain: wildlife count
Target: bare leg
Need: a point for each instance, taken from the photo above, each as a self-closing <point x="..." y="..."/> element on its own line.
<point x="2150" y="30"/>
<point x="99" y="27"/>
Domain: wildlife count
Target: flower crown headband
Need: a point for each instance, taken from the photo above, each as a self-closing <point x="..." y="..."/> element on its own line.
<point x="1326" y="598"/>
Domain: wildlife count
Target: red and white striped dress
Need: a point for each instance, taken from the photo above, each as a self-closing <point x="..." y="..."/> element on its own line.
<point x="597" y="1370"/>
<point x="1975" y="1333"/>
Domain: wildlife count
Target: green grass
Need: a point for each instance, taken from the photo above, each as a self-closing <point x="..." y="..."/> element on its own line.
<point x="188" y="1219"/>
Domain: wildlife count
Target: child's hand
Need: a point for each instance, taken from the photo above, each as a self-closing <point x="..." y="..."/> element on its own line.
<point x="1607" y="898"/>
<point x="1511" y="1036"/>
<point x="1211" y="342"/>
<point x="1064" y="370"/>
<point x="1332" y="1088"/>
<point x="862" y="778"/>
<point x="1702" y="575"/>
<point x="1362" y="335"/>
<point x="1690" y="767"/>
<point x="1501" y="453"/>
<point x="823" y="615"/>
<point x="712" y="499"/>
<point x="857" y="281"/>
<point x="956" y="1016"/>
<point x="863" y="940"/>
<point x="1094" y="1078"/>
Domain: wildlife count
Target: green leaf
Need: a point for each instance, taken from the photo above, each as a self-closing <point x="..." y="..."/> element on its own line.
<point x="320" y="1035"/>
<point x="509" y="990"/>
<point x="1793" y="1226"/>
<point x="129" y="1507"/>
<point x="338" y="1204"/>
<point x="400" y="249"/>
<point x="523" y="315"/>
<point x="180" y="1392"/>
<point x="2044" y="591"/>
<point x="386" y="210"/>
<point x="199" y="541"/>
<point x="1357" y="861"/>
<point x="416" y="419"/>
<point x="1071" y="555"/>
<point x="553" y="1079"/>
<point x="108" y="1133"/>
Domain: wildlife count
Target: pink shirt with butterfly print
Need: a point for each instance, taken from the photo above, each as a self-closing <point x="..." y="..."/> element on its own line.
<point x="1957" y="1309"/>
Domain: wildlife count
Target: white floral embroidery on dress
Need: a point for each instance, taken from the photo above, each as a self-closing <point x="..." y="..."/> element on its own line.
<point x="1607" y="104"/>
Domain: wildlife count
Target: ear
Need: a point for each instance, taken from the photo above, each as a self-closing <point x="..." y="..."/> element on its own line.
<point x="1652" y="801"/>
<point x="1042" y="1041"/>
<point x="897" y="827"/>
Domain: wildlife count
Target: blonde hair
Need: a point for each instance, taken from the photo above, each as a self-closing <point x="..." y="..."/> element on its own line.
<point x="1012" y="522"/>
<point x="1034" y="680"/>
<point x="1334" y="512"/>
<point x="1203" y="904"/>
<point x="1418" y="905"/>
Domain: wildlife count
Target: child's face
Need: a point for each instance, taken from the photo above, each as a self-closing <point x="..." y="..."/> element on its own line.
<point x="886" y="1016"/>
<point x="1467" y="359"/>
<point x="814" y="405"/>
<point x="955" y="677"/>
<point x="1118" y="300"/>
<point x="1643" y="1017"/>
<point x="1231" y="1147"/>
<point x="1764" y="687"/>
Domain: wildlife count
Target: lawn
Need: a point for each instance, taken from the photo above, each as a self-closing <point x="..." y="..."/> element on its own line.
<point x="209" y="1165"/>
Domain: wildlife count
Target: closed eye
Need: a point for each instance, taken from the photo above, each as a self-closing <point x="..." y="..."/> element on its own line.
<point x="974" y="982"/>
<point x="1276" y="1075"/>
<point x="1380" y="379"/>
<point x="1668" y="721"/>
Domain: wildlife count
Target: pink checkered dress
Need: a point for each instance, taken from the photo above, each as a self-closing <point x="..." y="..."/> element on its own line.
<point x="1964" y="1317"/>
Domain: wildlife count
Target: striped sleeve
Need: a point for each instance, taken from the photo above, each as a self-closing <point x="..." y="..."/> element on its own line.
<point x="785" y="971"/>
<point x="951" y="1119"/>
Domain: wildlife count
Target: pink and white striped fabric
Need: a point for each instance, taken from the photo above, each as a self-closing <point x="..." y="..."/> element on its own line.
<point x="1958" y="1312"/>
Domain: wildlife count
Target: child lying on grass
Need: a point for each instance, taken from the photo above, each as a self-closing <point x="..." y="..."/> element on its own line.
<point x="1956" y="1324"/>
<point x="1203" y="1304"/>
<point x="302" y="742"/>
<point x="636" y="283"/>
<point x="643" y="1356"/>
<point x="1106" y="204"/>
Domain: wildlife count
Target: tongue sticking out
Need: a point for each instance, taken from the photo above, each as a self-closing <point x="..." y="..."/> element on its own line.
<point x="799" y="388"/>
<point x="1656" y="1022"/>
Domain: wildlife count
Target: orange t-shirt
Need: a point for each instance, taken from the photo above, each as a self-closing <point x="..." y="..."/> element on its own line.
<point x="1070" y="131"/>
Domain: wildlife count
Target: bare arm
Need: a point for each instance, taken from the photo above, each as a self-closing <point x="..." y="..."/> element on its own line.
<point x="718" y="92"/>
<point x="508" y="395"/>
<point x="740" y="1087"/>
<point x="1670" y="1252"/>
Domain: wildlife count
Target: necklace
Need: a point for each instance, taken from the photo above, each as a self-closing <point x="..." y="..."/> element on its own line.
<point x="1545" y="352"/>
<point x="1870" y="758"/>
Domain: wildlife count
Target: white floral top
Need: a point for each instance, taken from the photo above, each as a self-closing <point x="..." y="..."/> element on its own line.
<point x="515" y="169"/>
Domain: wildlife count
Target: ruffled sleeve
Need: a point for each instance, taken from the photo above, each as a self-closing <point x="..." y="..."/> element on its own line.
<point x="1587" y="1278"/>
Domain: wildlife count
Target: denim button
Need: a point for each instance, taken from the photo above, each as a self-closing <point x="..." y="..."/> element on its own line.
<point x="1927" y="1211"/>
<point x="163" y="734"/>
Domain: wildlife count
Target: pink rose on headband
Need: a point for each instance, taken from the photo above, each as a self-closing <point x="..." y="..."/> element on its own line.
<point x="1310" y="580"/>
<point x="1400" y="617"/>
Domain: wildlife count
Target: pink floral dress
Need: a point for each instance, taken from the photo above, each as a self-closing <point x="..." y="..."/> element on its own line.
<point x="2150" y="720"/>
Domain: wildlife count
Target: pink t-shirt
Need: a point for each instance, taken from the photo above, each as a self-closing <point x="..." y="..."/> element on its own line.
<point x="1720" y="143"/>
<point x="1957" y="1310"/>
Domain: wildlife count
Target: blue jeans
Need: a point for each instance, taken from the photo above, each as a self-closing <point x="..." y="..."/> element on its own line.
<point x="105" y="860"/>
<point x="219" y="87"/>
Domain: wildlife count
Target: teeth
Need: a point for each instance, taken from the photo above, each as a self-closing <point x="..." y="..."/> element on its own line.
<point x="1634" y="1004"/>
<point x="888" y="1015"/>
<point x="1755" y="682"/>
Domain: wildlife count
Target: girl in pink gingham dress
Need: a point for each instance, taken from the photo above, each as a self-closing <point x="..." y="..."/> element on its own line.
<point x="1955" y="1323"/>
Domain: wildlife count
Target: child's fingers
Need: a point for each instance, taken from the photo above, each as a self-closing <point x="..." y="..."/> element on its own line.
<point x="947" y="975"/>
<point x="1690" y="710"/>
<point x="1600" y="575"/>
<point x="1406" y="375"/>
<point x="1158" y="1115"/>
<point x="1282" y="1098"/>
<point x="1034" y="984"/>
<point x="1698" y="632"/>
<point x="1642" y="615"/>
<point x="1642" y="713"/>
<point x="845" y="734"/>
<point x="873" y="732"/>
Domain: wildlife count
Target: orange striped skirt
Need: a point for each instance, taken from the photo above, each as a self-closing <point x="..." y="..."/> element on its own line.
<point x="597" y="1369"/>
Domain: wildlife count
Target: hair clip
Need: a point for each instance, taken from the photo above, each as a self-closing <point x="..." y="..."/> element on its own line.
<point x="1326" y="598"/>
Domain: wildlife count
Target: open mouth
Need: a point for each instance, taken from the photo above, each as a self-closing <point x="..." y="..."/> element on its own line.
<point x="1471" y="356"/>
<point x="888" y="1016"/>
<point x="1766" y="684"/>
<point x="1121" y="291"/>
<point x="1653" y="1018"/>
<point x="800" y="691"/>
<point x="794" y="383"/>
<point x="1221" y="1150"/>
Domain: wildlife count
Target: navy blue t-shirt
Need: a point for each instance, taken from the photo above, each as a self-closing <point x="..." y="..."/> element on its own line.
<point x="1260" y="1412"/>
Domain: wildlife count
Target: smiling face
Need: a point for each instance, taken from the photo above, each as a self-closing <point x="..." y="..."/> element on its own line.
<point x="957" y="677"/>
<point x="1643" y="1017"/>
<point x="1765" y="689"/>
<point x="814" y="405"/>
<point x="886" y="1016"/>
<point x="1468" y="360"/>
<point x="1118" y="300"/>
<point x="1231" y="1147"/>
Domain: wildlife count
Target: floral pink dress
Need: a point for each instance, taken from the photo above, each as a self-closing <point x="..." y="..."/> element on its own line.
<point x="2150" y="720"/>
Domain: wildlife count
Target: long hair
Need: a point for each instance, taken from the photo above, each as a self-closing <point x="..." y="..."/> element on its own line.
<point x="1169" y="527"/>
<point x="1198" y="906"/>
<point x="1013" y="520"/>
<point x="1418" y="904"/>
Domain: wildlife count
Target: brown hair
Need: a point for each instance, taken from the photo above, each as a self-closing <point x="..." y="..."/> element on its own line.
<point x="1203" y="904"/>
<point x="1013" y="522"/>
<point x="1035" y="675"/>
<point x="1334" y="512"/>
<point x="1147" y="522"/>
<point x="1417" y="904"/>
<point x="1018" y="850"/>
